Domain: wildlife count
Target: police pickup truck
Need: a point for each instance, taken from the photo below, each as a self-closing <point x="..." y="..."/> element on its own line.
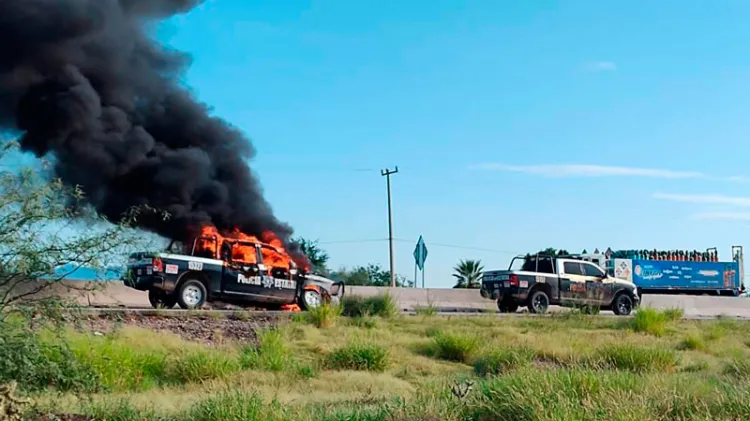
<point x="538" y="281"/>
<point x="192" y="278"/>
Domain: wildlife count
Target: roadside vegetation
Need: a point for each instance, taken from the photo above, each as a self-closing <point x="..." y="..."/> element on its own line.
<point x="393" y="367"/>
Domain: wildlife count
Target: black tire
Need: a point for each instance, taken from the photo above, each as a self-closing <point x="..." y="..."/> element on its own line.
<point x="622" y="305"/>
<point x="507" y="306"/>
<point x="310" y="298"/>
<point x="191" y="294"/>
<point x="538" y="302"/>
<point x="160" y="299"/>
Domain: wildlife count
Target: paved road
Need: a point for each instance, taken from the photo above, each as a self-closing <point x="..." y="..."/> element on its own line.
<point x="114" y="294"/>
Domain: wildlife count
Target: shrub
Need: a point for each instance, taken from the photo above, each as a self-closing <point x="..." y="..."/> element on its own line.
<point x="324" y="316"/>
<point x="360" y="356"/>
<point x="635" y="358"/>
<point x="500" y="361"/>
<point x="383" y="305"/>
<point x="271" y="353"/>
<point x="36" y="364"/>
<point x="454" y="347"/>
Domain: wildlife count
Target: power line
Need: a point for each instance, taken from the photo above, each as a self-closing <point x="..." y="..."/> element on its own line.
<point x="403" y="240"/>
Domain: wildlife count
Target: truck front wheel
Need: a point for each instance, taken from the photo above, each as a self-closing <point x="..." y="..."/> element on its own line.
<point x="191" y="294"/>
<point x="622" y="305"/>
<point x="160" y="299"/>
<point x="538" y="302"/>
<point x="310" y="299"/>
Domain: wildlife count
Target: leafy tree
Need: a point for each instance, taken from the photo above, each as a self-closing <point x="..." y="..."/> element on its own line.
<point x="468" y="273"/>
<point x="369" y="275"/>
<point x="551" y="251"/>
<point x="317" y="256"/>
<point x="47" y="233"/>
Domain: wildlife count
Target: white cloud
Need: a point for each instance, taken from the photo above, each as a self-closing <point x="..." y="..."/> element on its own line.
<point x="579" y="170"/>
<point x="732" y="216"/>
<point x="600" y="66"/>
<point x="705" y="199"/>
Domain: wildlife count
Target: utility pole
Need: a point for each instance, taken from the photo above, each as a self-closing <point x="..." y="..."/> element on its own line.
<point x="387" y="173"/>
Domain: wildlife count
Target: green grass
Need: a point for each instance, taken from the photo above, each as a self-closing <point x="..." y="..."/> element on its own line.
<point x="406" y="368"/>
<point x="454" y="346"/>
<point x="503" y="360"/>
<point x="692" y="342"/>
<point x="636" y="358"/>
<point x="382" y="305"/>
<point x="651" y="321"/>
<point x="359" y="356"/>
<point x="271" y="354"/>
<point x="324" y="316"/>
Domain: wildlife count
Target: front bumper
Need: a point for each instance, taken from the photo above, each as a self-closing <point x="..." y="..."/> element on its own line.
<point x="337" y="292"/>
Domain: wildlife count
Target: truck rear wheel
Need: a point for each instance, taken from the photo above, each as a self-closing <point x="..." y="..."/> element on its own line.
<point x="191" y="294"/>
<point x="538" y="302"/>
<point x="160" y="299"/>
<point x="507" y="306"/>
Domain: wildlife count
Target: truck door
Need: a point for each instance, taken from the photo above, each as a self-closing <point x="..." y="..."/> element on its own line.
<point x="572" y="281"/>
<point x="599" y="288"/>
<point x="284" y="286"/>
<point x="242" y="272"/>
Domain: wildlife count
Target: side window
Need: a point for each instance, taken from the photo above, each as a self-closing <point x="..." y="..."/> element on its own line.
<point x="572" y="268"/>
<point x="591" y="270"/>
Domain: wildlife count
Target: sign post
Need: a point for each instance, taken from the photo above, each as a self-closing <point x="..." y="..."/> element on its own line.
<point x="420" y="256"/>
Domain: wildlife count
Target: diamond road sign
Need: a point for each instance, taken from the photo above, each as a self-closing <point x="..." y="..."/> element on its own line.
<point x="420" y="253"/>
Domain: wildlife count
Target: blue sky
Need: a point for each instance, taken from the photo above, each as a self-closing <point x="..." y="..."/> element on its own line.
<point x="487" y="108"/>
<point x="515" y="125"/>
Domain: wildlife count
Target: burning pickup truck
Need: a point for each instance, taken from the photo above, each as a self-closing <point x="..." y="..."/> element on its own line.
<point x="240" y="270"/>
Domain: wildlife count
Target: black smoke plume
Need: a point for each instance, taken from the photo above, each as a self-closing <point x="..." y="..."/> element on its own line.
<point x="83" y="82"/>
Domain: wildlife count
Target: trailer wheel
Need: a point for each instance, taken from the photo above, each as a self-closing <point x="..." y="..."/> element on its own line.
<point x="622" y="305"/>
<point x="538" y="302"/>
<point x="160" y="299"/>
<point x="191" y="294"/>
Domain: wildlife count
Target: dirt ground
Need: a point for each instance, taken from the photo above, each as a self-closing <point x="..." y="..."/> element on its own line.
<point x="199" y="328"/>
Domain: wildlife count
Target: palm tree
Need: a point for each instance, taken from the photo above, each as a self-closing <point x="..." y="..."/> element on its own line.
<point x="468" y="273"/>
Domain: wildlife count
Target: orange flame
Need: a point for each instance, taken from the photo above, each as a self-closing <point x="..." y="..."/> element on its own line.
<point x="242" y="248"/>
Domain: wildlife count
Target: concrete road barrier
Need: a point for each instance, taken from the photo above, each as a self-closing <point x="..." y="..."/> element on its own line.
<point x="115" y="294"/>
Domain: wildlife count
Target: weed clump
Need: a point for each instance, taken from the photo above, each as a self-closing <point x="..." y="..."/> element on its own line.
<point x="454" y="346"/>
<point x="503" y="360"/>
<point x="650" y="321"/>
<point x="324" y="316"/>
<point x="271" y="353"/>
<point x="360" y="356"/>
<point x="635" y="358"/>
<point x="383" y="305"/>
<point x="692" y="343"/>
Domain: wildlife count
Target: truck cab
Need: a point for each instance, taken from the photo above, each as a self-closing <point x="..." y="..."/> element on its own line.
<point x="539" y="281"/>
